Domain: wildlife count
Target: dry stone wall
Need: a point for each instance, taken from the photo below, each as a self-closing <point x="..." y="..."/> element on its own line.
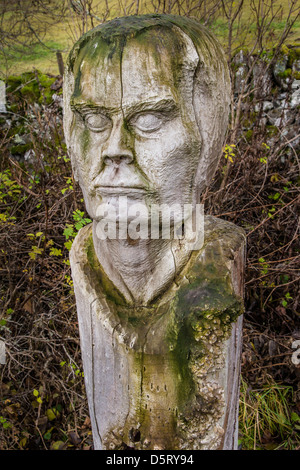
<point x="274" y="95"/>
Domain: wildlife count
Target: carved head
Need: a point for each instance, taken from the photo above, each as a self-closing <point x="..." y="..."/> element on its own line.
<point x="146" y="102"/>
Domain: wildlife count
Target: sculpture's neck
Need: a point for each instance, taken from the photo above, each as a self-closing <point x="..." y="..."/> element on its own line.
<point x="140" y="269"/>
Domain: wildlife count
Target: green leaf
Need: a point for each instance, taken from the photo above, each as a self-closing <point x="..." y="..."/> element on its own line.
<point x="68" y="244"/>
<point x="79" y="225"/>
<point x="295" y="417"/>
<point x="78" y="215"/>
<point x="23" y="442"/>
<point x="35" y="251"/>
<point x="35" y="393"/>
<point x="51" y="414"/>
<point x="69" y="231"/>
<point x="55" y="252"/>
<point x="47" y="435"/>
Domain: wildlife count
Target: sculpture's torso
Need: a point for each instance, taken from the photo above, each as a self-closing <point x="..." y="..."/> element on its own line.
<point x="157" y="374"/>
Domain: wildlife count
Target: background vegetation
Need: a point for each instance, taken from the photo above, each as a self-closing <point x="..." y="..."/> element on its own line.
<point x="43" y="401"/>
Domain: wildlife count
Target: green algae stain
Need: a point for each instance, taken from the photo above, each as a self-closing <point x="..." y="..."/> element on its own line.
<point x="206" y="307"/>
<point x="119" y="30"/>
<point x="100" y="277"/>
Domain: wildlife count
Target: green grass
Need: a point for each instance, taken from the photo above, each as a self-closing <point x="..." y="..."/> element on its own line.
<point x="62" y="35"/>
<point x="38" y="56"/>
<point x="36" y="52"/>
<point x="244" y="34"/>
<point x="267" y="420"/>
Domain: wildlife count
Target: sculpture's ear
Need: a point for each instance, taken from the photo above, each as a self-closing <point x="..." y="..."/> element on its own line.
<point x="211" y="98"/>
<point x="205" y="68"/>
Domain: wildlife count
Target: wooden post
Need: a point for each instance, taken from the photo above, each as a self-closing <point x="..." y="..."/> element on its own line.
<point x="164" y="376"/>
<point x="146" y="103"/>
<point x="60" y="63"/>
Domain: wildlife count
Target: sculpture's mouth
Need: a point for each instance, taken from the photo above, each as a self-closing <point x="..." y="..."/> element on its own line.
<point x="120" y="190"/>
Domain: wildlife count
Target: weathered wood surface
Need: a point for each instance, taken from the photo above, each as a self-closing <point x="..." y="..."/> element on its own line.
<point x="165" y="375"/>
<point x="146" y="104"/>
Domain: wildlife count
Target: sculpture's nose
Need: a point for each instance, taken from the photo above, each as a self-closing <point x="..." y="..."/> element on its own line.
<point x="117" y="148"/>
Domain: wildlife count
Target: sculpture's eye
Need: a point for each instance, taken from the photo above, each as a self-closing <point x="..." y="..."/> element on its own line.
<point x="97" y="122"/>
<point x="147" y="122"/>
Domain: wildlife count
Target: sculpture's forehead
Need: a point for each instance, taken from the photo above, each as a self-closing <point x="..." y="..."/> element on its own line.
<point x="112" y="77"/>
<point x="97" y="75"/>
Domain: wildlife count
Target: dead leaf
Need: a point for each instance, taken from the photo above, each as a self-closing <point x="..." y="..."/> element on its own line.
<point x="28" y="306"/>
<point x="87" y="423"/>
<point x="74" y="438"/>
<point x="58" y="445"/>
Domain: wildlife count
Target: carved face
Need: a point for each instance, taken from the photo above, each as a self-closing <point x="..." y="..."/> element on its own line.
<point x="134" y="130"/>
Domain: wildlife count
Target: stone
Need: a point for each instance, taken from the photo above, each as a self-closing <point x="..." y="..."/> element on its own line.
<point x="240" y="58"/>
<point x="146" y="105"/>
<point x="295" y="98"/>
<point x="281" y="117"/>
<point x="283" y="96"/>
<point x="262" y="80"/>
<point x="282" y="78"/>
<point x="289" y="134"/>
<point x="296" y="84"/>
<point x="296" y="65"/>
<point x="30" y="156"/>
<point x="58" y="99"/>
<point x="266" y="106"/>
<point x="240" y="77"/>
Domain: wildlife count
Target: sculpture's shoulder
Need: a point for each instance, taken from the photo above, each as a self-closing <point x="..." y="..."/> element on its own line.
<point x="79" y="255"/>
<point x="79" y="248"/>
<point x="223" y="234"/>
<point x="221" y="257"/>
